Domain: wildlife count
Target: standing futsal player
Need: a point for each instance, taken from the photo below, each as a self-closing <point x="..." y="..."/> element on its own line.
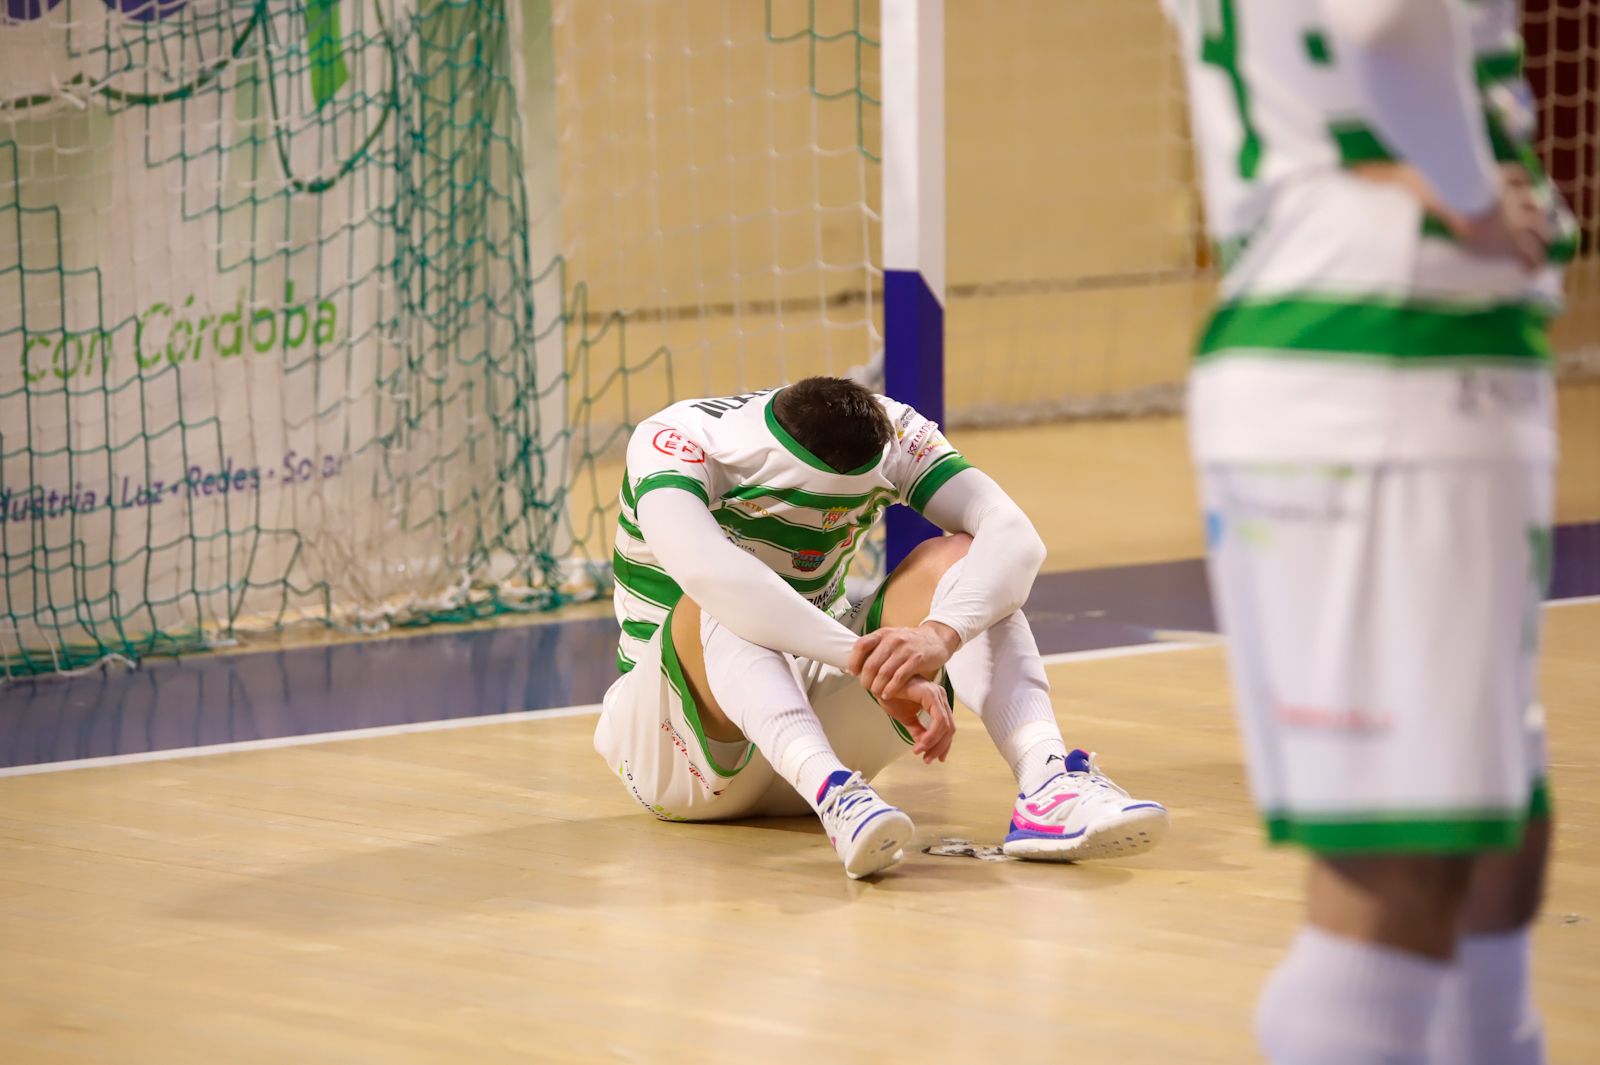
<point x="751" y="686"/>
<point x="1371" y="414"/>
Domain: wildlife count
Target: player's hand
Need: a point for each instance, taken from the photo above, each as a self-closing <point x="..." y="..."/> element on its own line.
<point x="924" y="710"/>
<point x="1516" y="226"/>
<point x="888" y="660"/>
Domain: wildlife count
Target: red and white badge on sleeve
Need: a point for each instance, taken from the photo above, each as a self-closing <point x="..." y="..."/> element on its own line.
<point x="673" y="443"/>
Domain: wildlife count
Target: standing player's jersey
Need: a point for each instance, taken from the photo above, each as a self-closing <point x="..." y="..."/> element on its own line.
<point x="771" y="496"/>
<point x="1350" y="326"/>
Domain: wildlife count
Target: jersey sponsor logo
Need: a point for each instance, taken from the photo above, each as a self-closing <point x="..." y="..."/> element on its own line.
<point x="718" y="407"/>
<point x="825" y="598"/>
<point x="924" y="441"/>
<point x="833" y="516"/>
<point x="808" y="560"/>
<point x="683" y="749"/>
<point x="749" y="505"/>
<point x="673" y="443"/>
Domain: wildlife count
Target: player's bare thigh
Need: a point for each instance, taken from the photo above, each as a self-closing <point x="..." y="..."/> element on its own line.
<point x="685" y="622"/>
<point x="911" y="586"/>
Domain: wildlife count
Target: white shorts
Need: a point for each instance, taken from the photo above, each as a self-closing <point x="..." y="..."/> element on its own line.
<point x="1383" y="628"/>
<point x="649" y="734"/>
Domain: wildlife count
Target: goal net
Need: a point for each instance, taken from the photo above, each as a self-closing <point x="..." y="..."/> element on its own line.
<point x="272" y="339"/>
<point x="342" y="309"/>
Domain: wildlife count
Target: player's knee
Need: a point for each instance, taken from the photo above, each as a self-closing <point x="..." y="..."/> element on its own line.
<point x="941" y="552"/>
<point x="1507" y="890"/>
<point x="1412" y="902"/>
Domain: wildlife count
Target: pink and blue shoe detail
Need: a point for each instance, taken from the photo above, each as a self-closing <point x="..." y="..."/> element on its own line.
<point x="1080" y="814"/>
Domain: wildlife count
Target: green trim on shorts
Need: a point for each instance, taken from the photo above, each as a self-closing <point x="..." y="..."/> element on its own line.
<point x="1539" y="807"/>
<point x="691" y="710"/>
<point x="1433" y="833"/>
<point x="1405" y="835"/>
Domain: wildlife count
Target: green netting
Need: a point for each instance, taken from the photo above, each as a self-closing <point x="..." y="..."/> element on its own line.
<point x="273" y="343"/>
<point x="855" y="35"/>
<point x="341" y="310"/>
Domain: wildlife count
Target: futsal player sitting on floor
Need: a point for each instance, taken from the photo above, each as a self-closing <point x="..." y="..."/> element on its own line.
<point x="751" y="686"/>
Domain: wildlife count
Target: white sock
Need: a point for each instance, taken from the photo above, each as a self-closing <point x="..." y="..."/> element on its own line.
<point x="1486" y="1014"/>
<point x="757" y="691"/>
<point x="998" y="674"/>
<point x="1337" y="1001"/>
<point x="1040" y="764"/>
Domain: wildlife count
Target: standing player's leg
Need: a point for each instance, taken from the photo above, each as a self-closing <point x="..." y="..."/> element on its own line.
<point x="1486" y="1015"/>
<point x="1379" y="659"/>
<point x="745" y="693"/>
<point x="1067" y="809"/>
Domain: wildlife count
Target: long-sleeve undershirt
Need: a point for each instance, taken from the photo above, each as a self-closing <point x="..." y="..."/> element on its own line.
<point x="1413" y="61"/>
<point x="756" y="604"/>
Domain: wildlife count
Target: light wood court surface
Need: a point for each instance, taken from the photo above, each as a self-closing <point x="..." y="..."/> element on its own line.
<point x="490" y="894"/>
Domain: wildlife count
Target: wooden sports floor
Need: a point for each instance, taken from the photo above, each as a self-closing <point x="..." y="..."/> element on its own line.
<point x="491" y="894"/>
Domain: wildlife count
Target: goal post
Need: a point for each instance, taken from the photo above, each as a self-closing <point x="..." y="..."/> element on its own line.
<point x="913" y="227"/>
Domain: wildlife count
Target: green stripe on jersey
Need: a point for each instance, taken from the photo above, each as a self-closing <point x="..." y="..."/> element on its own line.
<point x="1219" y="47"/>
<point x="629" y="527"/>
<point x="933" y="479"/>
<point x="1358" y="144"/>
<point x="662" y="479"/>
<point x="799" y="497"/>
<point x="1410" y="334"/>
<point x="647" y="582"/>
<point x="770" y="529"/>
<point x="1498" y="66"/>
<point x="1317" y="48"/>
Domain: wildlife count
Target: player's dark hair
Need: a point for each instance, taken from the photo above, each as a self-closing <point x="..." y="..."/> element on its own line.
<point x="836" y="420"/>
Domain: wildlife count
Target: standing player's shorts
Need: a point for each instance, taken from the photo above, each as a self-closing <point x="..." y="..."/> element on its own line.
<point x="1383" y="624"/>
<point x="650" y="735"/>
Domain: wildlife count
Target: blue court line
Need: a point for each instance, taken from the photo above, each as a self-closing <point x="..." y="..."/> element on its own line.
<point x="171" y="704"/>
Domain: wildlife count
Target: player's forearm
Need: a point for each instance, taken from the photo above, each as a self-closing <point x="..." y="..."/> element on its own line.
<point x="1002" y="562"/>
<point x="1413" y="61"/>
<point x="739" y="591"/>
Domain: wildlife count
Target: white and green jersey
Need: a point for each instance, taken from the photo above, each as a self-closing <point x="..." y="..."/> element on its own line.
<point x="772" y="498"/>
<point x="1350" y="327"/>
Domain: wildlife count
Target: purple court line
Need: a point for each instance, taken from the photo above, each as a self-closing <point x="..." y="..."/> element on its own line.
<point x="171" y="704"/>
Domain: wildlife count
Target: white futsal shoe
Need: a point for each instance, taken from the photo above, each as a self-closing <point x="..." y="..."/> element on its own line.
<point x="868" y="833"/>
<point x="1080" y="814"/>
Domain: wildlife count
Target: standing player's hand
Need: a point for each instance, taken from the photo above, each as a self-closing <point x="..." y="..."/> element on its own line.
<point x="924" y="710"/>
<point x="888" y="660"/>
<point x="1516" y="226"/>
